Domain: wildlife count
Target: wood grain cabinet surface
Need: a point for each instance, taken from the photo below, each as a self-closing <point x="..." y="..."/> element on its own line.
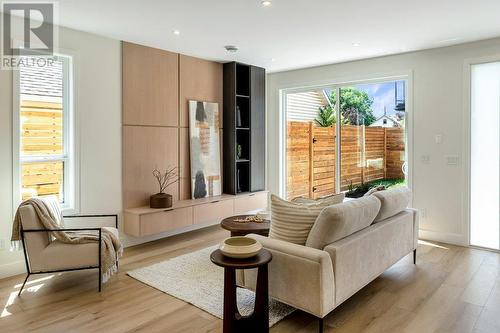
<point x="250" y="202"/>
<point x="213" y="212"/>
<point x="200" y="80"/>
<point x="166" y="221"/>
<point x="143" y="221"/>
<point x="144" y="149"/>
<point x="150" y="86"/>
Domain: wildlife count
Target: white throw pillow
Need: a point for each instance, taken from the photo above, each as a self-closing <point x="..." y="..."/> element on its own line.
<point x="339" y="221"/>
<point x="393" y="201"/>
<point x="291" y="222"/>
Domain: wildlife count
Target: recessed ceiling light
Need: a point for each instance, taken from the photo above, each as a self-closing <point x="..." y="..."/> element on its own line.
<point x="176" y="32"/>
<point x="231" y="48"/>
<point x="266" y="3"/>
<point x="273" y="59"/>
<point x="356" y="44"/>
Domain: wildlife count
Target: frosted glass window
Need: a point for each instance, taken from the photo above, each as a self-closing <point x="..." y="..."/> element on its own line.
<point x="485" y="138"/>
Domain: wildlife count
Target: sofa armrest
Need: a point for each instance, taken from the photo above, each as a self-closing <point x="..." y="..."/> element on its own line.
<point x="298" y="276"/>
<point x="292" y="249"/>
<point x="415" y="226"/>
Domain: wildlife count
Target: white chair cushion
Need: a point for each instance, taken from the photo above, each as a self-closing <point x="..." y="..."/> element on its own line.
<point x="59" y="255"/>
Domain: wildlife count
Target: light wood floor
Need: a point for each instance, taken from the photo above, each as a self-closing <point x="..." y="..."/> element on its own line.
<point x="451" y="289"/>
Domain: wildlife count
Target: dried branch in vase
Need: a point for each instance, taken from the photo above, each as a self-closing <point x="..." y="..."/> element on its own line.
<point x="169" y="177"/>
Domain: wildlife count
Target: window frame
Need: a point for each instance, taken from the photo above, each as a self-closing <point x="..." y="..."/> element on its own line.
<point x="70" y="156"/>
<point x="336" y="84"/>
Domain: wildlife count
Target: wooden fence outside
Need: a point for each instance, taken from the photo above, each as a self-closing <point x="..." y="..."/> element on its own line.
<point x="311" y="157"/>
<point x="41" y="135"/>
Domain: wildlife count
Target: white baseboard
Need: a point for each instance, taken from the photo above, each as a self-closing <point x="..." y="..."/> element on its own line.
<point x="13" y="268"/>
<point x="444" y="237"/>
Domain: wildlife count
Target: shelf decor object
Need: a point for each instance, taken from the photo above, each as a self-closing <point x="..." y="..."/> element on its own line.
<point x="240" y="247"/>
<point x="244" y="128"/>
<point x="164" y="179"/>
<point x="205" y="149"/>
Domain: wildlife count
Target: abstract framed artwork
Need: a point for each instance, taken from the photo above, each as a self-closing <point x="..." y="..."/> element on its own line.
<point x="205" y="149"/>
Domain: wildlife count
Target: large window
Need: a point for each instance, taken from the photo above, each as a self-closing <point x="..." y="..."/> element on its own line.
<point x="45" y="140"/>
<point x="347" y="144"/>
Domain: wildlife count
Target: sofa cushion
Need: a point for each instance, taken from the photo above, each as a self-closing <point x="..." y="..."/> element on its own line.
<point x="326" y="200"/>
<point x="393" y="201"/>
<point x="291" y="221"/>
<point x="339" y="221"/>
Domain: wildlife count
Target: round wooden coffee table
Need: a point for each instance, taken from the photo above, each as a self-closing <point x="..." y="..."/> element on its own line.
<point x="244" y="228"/>
<point x="258" y="321"/>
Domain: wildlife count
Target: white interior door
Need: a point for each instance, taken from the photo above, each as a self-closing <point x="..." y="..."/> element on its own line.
<point x="485" y="160"/>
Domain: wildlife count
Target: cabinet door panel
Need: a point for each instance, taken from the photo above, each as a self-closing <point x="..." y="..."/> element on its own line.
<point x="150" y="86"/>
<point x="156" y="223"/>
<point x="200" y="80"/>
<point x="249" y="203"/>
<point x="144" y="149"/>
<point x="213" y="212"/>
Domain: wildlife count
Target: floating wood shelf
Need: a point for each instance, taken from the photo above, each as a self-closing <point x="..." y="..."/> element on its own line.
<point x="144" y="221"/>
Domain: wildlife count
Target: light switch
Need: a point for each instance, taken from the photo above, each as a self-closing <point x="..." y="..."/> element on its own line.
<point x="452" y="159"/>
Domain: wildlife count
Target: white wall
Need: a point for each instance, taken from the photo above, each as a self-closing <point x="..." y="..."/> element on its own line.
<point x="439" y="104"/>
<point x="98" y="107"/>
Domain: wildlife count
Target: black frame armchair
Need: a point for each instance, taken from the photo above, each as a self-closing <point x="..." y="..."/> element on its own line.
<point x="99" y="229"/>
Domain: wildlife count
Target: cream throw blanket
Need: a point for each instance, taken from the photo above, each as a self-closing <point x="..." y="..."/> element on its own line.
<point x="111" y="247"/>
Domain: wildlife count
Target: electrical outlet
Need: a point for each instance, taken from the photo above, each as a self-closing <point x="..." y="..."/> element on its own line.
<point x="423" y="213"/>
<point x="425" y="159"/>
<point x="2" y="244"/>
<point x="438" y="138"/>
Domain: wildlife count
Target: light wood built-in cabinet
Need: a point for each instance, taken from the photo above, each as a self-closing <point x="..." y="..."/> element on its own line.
<point x="200" y="80"/>
<point x="145" y="221"/>
<point x="150" y="86"/>
<point x="156" y="88"/>
<point x="144" y="149"/>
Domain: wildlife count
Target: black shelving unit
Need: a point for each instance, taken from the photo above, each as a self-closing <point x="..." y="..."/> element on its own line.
<point x="244" y="128"/>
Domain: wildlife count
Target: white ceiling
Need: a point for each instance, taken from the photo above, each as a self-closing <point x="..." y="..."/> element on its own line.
<point x="295" y="33"/>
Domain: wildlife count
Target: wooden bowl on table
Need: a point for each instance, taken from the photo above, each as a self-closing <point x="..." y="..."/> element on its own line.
<point x="240" y="247"/>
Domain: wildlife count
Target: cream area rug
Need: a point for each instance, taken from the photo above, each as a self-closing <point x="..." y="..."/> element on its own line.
<point x="193" y="278"/>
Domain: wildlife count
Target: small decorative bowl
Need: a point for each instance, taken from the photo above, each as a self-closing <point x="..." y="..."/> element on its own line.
<point x="240" y="247"/>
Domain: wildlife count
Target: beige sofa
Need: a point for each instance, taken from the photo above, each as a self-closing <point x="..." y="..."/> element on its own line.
<point x="317" y="280"/>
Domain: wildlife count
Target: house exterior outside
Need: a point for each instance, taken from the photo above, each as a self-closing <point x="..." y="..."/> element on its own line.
<point x="385" y="121"/>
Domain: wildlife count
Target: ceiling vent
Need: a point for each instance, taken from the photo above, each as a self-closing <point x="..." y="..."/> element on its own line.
<point x="231" y="48"/>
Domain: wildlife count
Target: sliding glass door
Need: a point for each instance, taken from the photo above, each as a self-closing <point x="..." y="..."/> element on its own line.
<point x="345" y="138"/>
<point x="484" y="156"/>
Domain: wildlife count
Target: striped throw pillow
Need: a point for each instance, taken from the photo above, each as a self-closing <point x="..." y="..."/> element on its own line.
<point x="291" y="222"/>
